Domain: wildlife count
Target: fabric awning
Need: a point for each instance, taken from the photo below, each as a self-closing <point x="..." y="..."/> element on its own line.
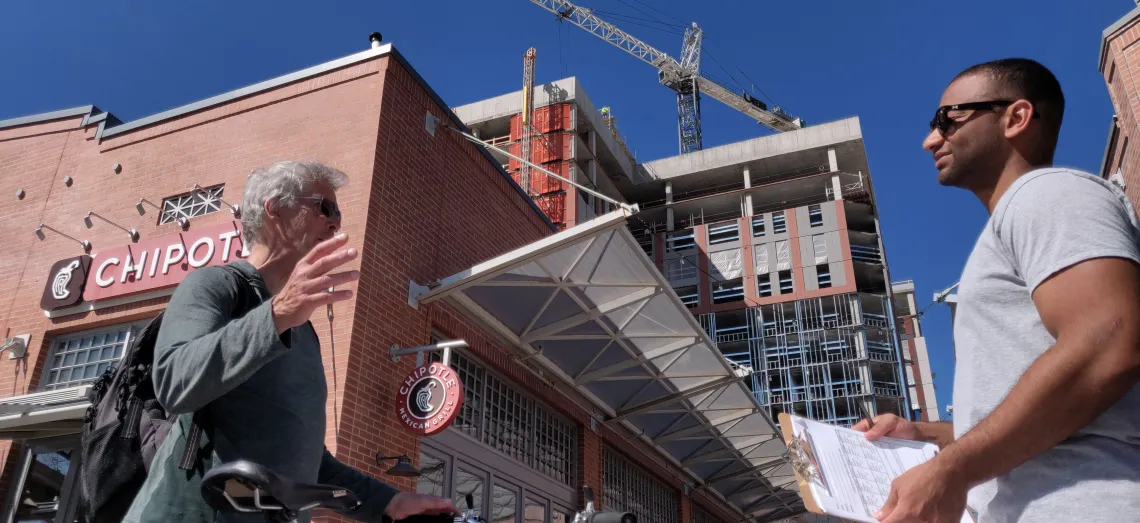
<point x="593" y="309"/>
<point x="44" y="414"/>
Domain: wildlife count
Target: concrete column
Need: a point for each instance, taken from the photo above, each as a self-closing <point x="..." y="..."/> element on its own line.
<point x="837" y="187"/>
<point x="669" y="209"/>
<point x="592" y="141"/>
<point x="833" y="163"/>
<point x="592" y="166"/>
<point x="747" y="197"/>
<point x="475" y="132"/>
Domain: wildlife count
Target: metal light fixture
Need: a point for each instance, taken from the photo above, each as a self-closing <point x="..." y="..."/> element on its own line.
<point x="17" y="346"/>
<point x="234" y="209"/>
<point x="182" y="221"/>
<point x="40" y="234"/>
<point x="142" y="211"/>
<point x="132" y="233"/>
<point x="403" y="467"/>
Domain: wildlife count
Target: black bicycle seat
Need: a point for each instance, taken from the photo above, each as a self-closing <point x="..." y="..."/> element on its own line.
<point x="243" y="486"/>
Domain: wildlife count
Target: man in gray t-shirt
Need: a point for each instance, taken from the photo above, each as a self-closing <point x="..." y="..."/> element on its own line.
<point x="1047" y="332"/>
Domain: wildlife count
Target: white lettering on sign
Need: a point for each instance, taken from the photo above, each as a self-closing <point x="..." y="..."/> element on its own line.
<point x="198" y="263"/>
<point x="170" y="259"/>
<point x="227" y="237"/>
<point x="99" y="279"/>
<point x="129" y="266"/>
<point x="154" y="261"/>
<point x="161" y="262"/>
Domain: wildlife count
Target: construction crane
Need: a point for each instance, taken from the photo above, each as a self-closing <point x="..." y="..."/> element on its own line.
<point x="526" y="123"/>
<point x="684" y="76"/>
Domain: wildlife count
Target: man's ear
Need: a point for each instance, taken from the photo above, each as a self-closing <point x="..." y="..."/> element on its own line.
<point x="272" y="208"/>
<point x="1018" y="116"/>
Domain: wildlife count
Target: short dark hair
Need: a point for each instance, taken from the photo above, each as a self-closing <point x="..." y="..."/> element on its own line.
<point x="1022" y="78"/>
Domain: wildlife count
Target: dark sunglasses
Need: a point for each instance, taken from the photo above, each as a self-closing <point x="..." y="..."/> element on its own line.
<point x="326" y="206"/>
<point x="942" y="121"/>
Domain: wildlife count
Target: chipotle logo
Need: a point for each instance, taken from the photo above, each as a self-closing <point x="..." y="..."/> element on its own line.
<point x="145" y="266"/>
<point x="429" y="399"/>
<point x="65" y="283"/>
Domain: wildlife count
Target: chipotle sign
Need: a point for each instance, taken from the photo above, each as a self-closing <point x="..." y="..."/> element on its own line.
<point x="429" y="399"/>
<point x="159" y="262"/>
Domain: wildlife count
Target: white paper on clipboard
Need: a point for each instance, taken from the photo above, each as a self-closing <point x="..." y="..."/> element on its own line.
<point x="852" y="475"/>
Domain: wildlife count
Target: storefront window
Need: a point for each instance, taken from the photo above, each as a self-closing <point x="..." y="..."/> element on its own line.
<point x="501" y="416"/>
<point x="560" y="516"/>
<point x="534" y="512"/>
<point x="503" y="505"/>
<point x="431" y="475"/>
<point x="468" y="483"/>
<point x="78" y="359"/>
<point x="629" y="488"/>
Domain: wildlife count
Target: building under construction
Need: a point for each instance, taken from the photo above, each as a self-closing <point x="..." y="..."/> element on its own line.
<point x="773" y="243"/>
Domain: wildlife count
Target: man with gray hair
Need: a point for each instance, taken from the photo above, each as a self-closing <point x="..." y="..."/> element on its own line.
<point x="250" y="369"/>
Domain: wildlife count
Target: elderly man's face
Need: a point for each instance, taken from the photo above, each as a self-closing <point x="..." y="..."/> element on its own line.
<point x="314" y="219"/>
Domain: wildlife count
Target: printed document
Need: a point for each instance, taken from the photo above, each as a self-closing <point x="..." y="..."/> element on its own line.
<point x="854" y="474"/>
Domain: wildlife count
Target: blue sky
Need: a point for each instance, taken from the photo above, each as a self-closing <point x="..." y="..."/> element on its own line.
<point x="885" y="61"/>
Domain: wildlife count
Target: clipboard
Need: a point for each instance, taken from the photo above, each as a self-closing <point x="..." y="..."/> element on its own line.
<point x="803" y="460"/>
<point x="806" y="465"/>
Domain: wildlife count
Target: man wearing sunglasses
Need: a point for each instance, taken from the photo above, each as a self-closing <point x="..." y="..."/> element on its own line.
<point x="1047" y="330"/>
<point x="236" y="353"/>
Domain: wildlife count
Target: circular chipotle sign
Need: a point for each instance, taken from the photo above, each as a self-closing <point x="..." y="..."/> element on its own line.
<point x="429" y="399"/>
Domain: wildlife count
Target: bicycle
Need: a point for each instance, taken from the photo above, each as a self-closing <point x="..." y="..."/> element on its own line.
<point x="246" y="487"/>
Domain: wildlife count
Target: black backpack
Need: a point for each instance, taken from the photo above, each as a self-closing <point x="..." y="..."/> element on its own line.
<point x="125" y="424"/>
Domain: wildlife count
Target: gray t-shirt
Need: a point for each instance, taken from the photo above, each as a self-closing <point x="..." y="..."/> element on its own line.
<point x="1050" y="219"/>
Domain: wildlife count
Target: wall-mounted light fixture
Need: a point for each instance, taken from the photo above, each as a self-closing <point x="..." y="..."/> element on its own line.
<point x="182" y="221"/>
<point x="403" y="467"/>
<point x="132" y="233"/>
<point x="17" y="346"/>
<point x="234" y="209"/>
<point x="40" y="234"/>
<point x="142" y="210"/>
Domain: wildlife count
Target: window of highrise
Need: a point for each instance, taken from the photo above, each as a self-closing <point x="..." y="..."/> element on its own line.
<point x="823" y="275"/>
<point x="778" y="223"/>
<point x="787" y="285"/>
<point x="764" y="285"/>
<point x="815" y="215"/>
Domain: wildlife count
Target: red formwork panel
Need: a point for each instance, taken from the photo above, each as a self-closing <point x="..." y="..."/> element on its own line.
<point x="542" y="183"/>
<point x="545" y="148"/>
<point x="546" y="120"/>
<point x="553" y="205"/>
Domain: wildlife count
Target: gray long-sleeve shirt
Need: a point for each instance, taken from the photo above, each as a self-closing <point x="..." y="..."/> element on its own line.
<point x="264" y="394"/>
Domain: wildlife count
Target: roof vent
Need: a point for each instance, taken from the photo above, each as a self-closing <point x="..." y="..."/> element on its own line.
<point x="375" y="39"/>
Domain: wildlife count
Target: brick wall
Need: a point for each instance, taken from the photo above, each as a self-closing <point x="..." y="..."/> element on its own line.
<point x="1121" y="71"/>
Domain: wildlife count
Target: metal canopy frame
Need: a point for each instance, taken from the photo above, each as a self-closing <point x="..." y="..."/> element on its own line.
<point x="591" y="308"/>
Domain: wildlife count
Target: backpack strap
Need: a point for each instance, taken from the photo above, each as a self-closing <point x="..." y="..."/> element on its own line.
<point x="246" y="300"/>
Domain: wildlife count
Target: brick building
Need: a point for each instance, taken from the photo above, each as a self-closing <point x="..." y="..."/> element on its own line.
<point x="1120" y="63"/>
<point x="427" y="210"/>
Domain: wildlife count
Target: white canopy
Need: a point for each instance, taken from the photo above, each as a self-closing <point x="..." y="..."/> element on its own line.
<point x="592" y="308"/>
<point x="44" y="414"/>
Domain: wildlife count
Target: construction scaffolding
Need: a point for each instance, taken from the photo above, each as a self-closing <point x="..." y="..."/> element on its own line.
<point x="816" y="357"/>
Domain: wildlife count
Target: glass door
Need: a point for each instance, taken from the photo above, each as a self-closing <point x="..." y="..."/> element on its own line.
<point x="46" y="490"/>
<point x="470" y="481"/>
